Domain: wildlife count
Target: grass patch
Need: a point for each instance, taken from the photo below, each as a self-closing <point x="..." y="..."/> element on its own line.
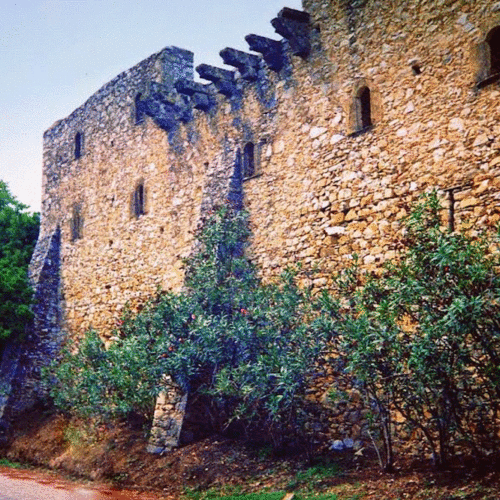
<point x="5" y="462"/>
<point x="322" y="471"/>
<point x="326" y="496"/>
<point x="276" y="495"/>
<point x="227" y="491"/>
<point x="307" y="480"/>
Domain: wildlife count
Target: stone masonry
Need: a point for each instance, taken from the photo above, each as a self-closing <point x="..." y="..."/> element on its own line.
<point x="335" y="129"/>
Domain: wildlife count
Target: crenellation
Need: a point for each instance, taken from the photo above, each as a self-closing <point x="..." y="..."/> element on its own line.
<point x="272" y="51"/>
<point x="294" y="26"/>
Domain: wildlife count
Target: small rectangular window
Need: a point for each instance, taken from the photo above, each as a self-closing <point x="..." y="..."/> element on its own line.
<point x="76" y="224"/>
<point x="249" y="160"/>
<point x="138" y="202"/>
<point x="78" y="145"/>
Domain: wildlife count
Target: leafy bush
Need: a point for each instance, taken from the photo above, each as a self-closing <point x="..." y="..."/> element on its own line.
<point x="18" y="235"/>
<point x="248" y="345"/>
<point x="424" y="338"/>
<point x="93" y="381"/>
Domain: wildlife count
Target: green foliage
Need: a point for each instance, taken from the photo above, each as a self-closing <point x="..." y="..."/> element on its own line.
<point x="5" y="462"/>
<point x="424" y="338"/>
<point x="18" y="235"/>
<point x="93" y="381"/>
<point x="226" y="493"/>
<point x="246" y="344"/>
<point x="214" y="494"/>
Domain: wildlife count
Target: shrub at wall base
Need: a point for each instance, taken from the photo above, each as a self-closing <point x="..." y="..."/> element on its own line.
<point x="247" y="345"/>
<point x="423" y="339"/>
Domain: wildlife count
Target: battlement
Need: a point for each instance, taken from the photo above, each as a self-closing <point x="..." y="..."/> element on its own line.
<point x="163" y="87"/>
<point x="115" y="106"/>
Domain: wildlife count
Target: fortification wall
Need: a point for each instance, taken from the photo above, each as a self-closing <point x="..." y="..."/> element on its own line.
<point x="334" y="133"/>
<point x="109" y="255"/>
<point x="434" y="129"/>
<point x="323" y="190"/>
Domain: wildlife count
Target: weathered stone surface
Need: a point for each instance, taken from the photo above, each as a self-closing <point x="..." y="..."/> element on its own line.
<point x="272" y="51"/>
<point x="294" y="26"/>
<point x="247" y="64"/>
<point x="320" y="194"/>
<point x="223" y="79"/>
<point x="168" y="418"/>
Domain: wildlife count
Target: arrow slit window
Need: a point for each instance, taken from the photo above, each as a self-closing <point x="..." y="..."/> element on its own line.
<point x="139" y="200"/>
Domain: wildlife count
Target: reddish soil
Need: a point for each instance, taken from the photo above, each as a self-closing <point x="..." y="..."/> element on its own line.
<point x="117" y="455"/>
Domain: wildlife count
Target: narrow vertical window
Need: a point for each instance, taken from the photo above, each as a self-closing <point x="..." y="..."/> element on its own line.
<point x="78" y="145"/>
<point x="364" y="108"/>
<point x="417" y="70"/>
<point x="139" y="201"/>
<point x="249" y="160"/>
<point x="487" y="55"/>
<point x="76" y="224"/>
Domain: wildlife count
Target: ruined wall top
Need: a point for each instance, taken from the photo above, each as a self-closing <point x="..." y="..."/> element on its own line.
<point x="113" y="109"/>
<point x="165" y="67"/>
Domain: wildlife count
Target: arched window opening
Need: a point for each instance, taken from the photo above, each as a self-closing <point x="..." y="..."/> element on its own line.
<point x="138" y="109"/>
<point x="364" y="108"/>
<point x="249" y="160"/>
<point x="76" y="224"/>
<point x="139" y="201"/>
<point x="493" y="40"/>
<point x="78" y="145"/>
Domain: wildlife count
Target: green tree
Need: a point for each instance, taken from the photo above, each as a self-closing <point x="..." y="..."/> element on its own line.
<point x="18" y="235"/>
<point x="423" y="339"/>
<point x="244" y="345"/>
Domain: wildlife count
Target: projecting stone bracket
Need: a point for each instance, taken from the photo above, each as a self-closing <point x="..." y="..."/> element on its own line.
<point x="201" y="96"/>
<point x="294" y="26"/>
<point x="248" y="64"/>
<point x="166" y="108"/>
<point x="271" y="50"/>
<point x="223" y="79"/>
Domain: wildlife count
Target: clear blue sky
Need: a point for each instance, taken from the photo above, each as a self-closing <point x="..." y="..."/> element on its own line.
<point x="54" y="54"/>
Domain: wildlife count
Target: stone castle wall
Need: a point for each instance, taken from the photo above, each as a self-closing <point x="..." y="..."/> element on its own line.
<point x="431" y="130"/>
<point x="361" y="107"/>
<point x="321" y="193"/>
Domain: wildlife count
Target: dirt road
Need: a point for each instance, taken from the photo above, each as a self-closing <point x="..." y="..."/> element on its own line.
<point x="31" y="485"/>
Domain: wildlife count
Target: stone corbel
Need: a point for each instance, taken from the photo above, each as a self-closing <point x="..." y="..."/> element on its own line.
<point x="294" y="26"/>
<point x="201" y="96"/>
<point x="247" y="64"/>
<point x="223" y="79"/>
<point x="165" y="107"/>
<point x="271" y="50"/>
